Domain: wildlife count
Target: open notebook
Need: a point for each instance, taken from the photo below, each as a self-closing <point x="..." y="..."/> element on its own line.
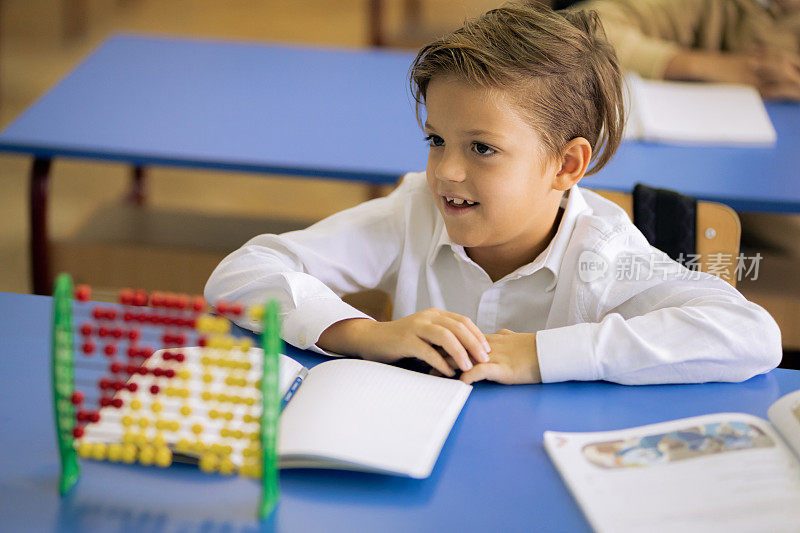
<point x="344" y="413"/>
<point x="719" y="472"/>
<point x="696" y="113"/>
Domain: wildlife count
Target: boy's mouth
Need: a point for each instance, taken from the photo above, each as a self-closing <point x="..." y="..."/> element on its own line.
<point x="453" y="203"/>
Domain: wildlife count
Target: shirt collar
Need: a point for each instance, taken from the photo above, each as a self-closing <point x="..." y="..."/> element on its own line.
<point x="550" y="258"/>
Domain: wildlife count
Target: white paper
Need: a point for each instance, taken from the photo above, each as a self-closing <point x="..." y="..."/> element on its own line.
<point x="735" y="480"/>
<point x="697" y="113"/>
<point x="366" y="415"/>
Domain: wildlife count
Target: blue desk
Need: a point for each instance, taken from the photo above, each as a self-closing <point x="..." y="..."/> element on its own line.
<point x="334" y="113"/>
<point x="493" y="473"/>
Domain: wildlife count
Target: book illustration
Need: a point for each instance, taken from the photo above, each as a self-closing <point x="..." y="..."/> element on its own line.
<point x="691" y="442"/>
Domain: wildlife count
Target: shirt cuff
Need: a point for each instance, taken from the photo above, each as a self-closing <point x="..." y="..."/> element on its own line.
<point x="303" y="326"/>
<point x="567" y="353"/>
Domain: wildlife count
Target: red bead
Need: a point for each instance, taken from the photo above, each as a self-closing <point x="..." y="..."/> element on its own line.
<point x="140" y="298"/>
<point x="222" y="307"/>
<point x="157" y="299"/>
<point x="111" y="314"/>
<point x="82" y="416"/>
<point x="105" y="402"/>
<point x="180" y="339"/>
<point x="131" y="369"/>
<point x="169" y="301"/>
<point x="190" y="322"/>
<point x="104" y="383"/>
<point x="142" y="370"/>
<point x="198" y="303"/>
<point x="116" y="333"/>
<point x="115" y="368"/>
<point x="102" y="331"/>
<point x="146" y="352"/>
<point x="236" y="309"/>
<point x="98" y="313"/>
<point x="83" y="293"/>
<point x="94" y="417"/>
<point x="88" y="348"/>
<point x="169" y="373"/>
<point x="133" y="351"/>
<point x="154" y="389"/>
<point x="158" y="372"/>
<point x="128" y="316"/>
<point x="154" y="318"/>
<point x="126" y="296"/>
<point x="182" y="301"/>
<point x="110" y="350"/>
<point x="76" y="398"/>
<point x="132" y="386"/>
<point x="141" y="317"/>
<point x="86" y="330"/>
<point x="202" y="341"/>
<point x="117" y="402"/>
<point x="166" y="356"/>
<point x="77" y="432"/>
<point x="118" y="385"/>
<point x="179" y="357"/>
<point x="134" y="334"/>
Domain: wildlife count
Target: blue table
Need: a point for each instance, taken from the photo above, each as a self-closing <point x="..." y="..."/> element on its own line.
<point x="334" y="113"/>
<point x="493" y="473"/>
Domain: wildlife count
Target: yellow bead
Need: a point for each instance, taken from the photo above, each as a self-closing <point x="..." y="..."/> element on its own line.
<point x="170" y="391"/>
<point x="252" y="451"/>
<point x="226" y="467"/>
<point x="228" y="416"/>
<point x="205" y="323"/>
<point x="256" y="312"/>
<point x="159" y="441"/>
<point x="213" y="414"/>
<point x="205" y="361"/>
<point x="208" y="378"/>
<point x="114" y="452"/>
<point x="186" y="410"/>
<point x="224" y="432"/>
<point x="238" y="434"/>
<point x="207" y="396"/>
<point x="183" y="446"/>
<point x="183" y="393"/>
<point x="222" y="398"/>
<point x="136" y="405"/>
<point x="228" y="343"/>
<point x="229" y="381"/>
<point x="184" y="374"/>
<point x="127" y="420"/>
<point x="163" y="456"/>
<point x="147" y="455"/>
<point x="128" y="438"/>
<point x="199" y="447"/>
<point x="85" y="449"/>
<point x="222" y="325"/>
<point x="197" y="429"/>
<point x="161" y="424"/>
<point x="248" y="419"/>
<point x="143" y="423"/>
<point x="255" y="436"/>
<point x="128" y="453"/>
<point x="245" y="344"/>
<point x="174" y="426"/>
<point x="141" y="439"/>
<point x="209" y="462"/>
<point x="99" y="451"/>
<point x="156" y="407"/>
<point x="250" y="401"/>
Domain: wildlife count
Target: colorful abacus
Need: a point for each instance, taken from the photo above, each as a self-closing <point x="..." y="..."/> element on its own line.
<point x="149" y="396"/>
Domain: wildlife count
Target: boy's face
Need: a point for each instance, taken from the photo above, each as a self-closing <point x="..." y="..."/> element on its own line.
<point x="482" y="151"/>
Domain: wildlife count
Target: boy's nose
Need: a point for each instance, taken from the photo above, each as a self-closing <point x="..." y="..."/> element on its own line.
<point x="450" y="168"/>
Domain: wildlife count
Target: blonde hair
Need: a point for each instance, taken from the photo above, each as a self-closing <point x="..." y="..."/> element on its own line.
<point x="557" y="66"/>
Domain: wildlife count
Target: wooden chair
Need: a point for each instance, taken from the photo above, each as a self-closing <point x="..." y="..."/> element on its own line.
<point x="717" y="239"/>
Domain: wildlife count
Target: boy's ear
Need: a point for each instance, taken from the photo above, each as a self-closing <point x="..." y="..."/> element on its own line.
<point x="574" y="162"/>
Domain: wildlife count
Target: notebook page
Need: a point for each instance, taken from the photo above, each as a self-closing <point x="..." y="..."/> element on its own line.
<point x="690" y="113"/>
<point x="372" y="416"/>
<point x="722" y="472"/>
<point x="785" y="416"/>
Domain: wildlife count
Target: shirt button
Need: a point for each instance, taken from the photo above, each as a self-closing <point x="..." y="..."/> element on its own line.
<point x="301" y="339"/>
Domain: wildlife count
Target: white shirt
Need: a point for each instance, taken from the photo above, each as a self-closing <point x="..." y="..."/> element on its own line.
<point x="659" y="328"/>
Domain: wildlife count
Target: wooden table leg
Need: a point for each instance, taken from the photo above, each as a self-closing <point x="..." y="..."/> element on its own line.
<point x="40" y="253"/>
<point x="137" y="194"/>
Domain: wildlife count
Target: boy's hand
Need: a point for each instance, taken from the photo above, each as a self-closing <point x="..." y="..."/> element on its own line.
<point x="514" y="360"/>
<point x="416" y="335"/>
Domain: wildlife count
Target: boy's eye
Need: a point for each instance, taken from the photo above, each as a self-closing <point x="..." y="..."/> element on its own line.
<point x="482" y="149"/>
<point x="434" y="140"/>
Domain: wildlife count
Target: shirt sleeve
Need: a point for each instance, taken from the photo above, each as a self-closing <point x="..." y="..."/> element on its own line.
<point x="671" y="330"/>
<point x="309" y="270"/>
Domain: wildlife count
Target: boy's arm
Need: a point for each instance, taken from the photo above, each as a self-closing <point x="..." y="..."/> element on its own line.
<point x="674" y="331"/>
<point x="308" y="270"/>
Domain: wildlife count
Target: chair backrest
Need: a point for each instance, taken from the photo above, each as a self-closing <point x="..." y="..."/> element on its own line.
<point x="717" y="238"/>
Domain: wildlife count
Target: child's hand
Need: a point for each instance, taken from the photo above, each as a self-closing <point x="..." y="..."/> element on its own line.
<point x="513" y="360"/>
<point x="416" y="335"/>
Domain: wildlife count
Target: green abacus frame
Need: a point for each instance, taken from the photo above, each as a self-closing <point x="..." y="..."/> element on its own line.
<point x="62" y="353"/>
